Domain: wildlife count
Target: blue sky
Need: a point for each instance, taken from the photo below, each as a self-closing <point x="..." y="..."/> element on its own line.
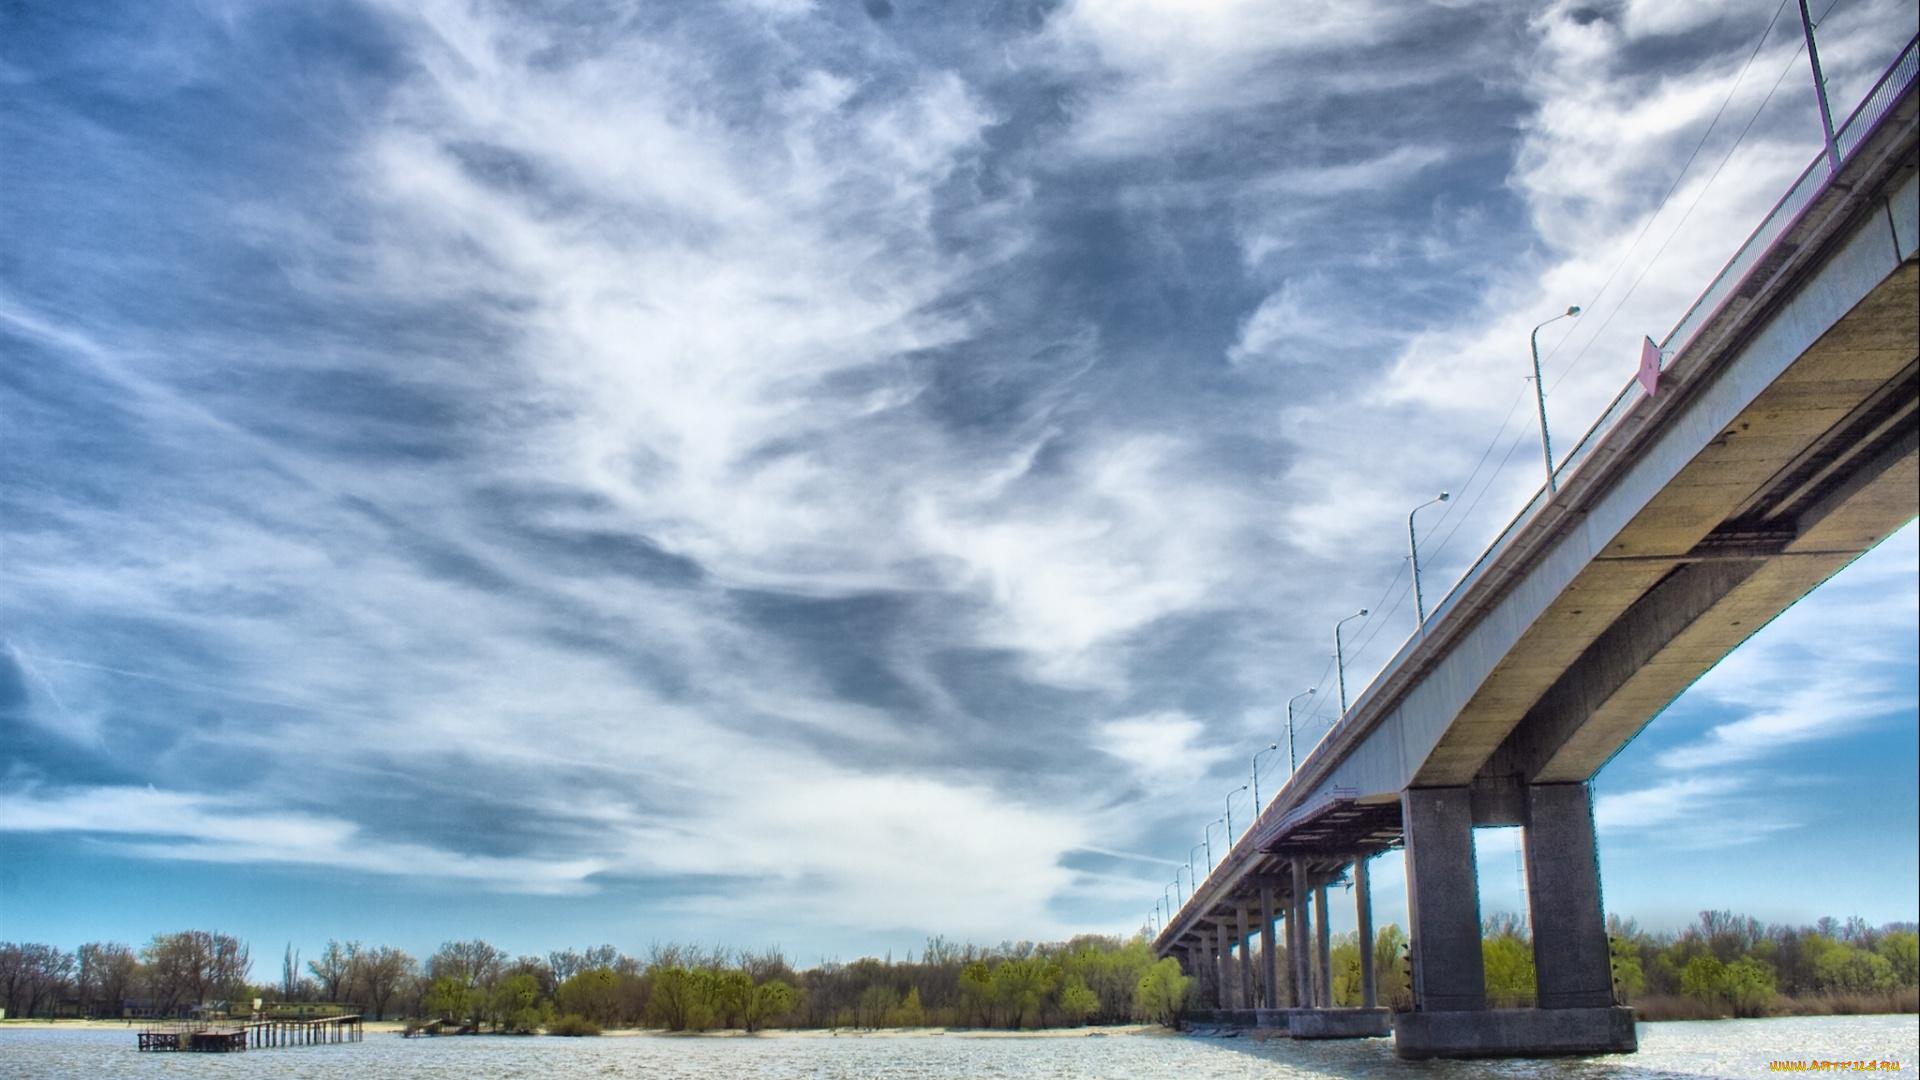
<point x="832" y="473"/>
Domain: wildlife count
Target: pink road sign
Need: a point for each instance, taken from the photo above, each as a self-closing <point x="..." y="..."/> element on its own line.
<point x="1649" y="374"/>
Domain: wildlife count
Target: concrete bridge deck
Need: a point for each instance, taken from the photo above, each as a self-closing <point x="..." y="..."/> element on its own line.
<point x="1781" y="443"/>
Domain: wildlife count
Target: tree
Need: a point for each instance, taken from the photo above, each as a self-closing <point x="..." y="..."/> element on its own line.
<point x="593" y="995"/>
<point x="1076" y="1000"/>
<point x="680" y="998"/>
<point x="1022" y="985"/>
<point x="337" y="968"/>
<point x="106" y="974"/>
<point x="1748" y="986"/>
<point x="1509" y="971"/>
<point x="474" y="963"/>
<point x="30" y="974"/>
<point x="382" y="972"/>
<point x="190" y="967"/>
<point x="1393" y="975"/>
<point x="1624" y="959"/>
<point x="518" y="1004"/>
<point x="1702" y="979"/>
<point x="451" y="999"/>
<point x="1161" y="995"/>
<point x="770" y="1003"/>
<point x="1902" y="951"/>
<point x="978" y="992"/>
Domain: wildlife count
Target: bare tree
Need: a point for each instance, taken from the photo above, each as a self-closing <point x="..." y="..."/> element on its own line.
<point x="106" y="973"/>
<point x="473" y="963"/>
<point x="383" y="971"/>
<point x="338" y="969"/>
<point x="30" y="974"/>
<point x="189" y="967"/>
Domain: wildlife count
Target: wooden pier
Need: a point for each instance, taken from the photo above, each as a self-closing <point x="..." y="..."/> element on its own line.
<point x="332" y="1029"/>
<point x="258" y="1034"/>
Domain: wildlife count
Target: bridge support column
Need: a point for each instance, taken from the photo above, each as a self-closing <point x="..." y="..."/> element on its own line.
<point x="1245" y="967"/>
<point x="1451" y="1018"/>
<point x="1363" y="914"/>
<point x="1297" y="937"/>
<point x="1443" y="900"/>
<point x="1563" y="891"/>
<point x="1323" y="958"/>
<point x="1269" y="951"/>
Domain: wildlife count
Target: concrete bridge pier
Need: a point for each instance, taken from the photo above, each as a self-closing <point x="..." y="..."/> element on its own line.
<point x="1245" y="966"/>
<point x="1576" y="1014"/>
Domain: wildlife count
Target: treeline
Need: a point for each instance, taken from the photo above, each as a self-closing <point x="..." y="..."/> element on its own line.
<point x="170" y="975"/>
<point x="1731" y="965"/>
<point x="1721" y="965"/>
<point x="474" y="986"/>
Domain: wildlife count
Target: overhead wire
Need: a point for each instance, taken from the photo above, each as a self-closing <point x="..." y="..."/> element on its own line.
<point x="1678" y="177"/>
<point x="1701" y="194"/>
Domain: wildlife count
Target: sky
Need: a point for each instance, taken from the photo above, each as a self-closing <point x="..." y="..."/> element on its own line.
<point x="826" y="474"/>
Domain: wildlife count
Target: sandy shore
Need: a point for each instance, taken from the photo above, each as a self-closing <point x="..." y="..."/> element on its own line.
<point x="395" y="1027"/>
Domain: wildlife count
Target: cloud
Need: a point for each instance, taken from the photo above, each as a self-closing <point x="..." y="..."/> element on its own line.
<point x="750" y="455"/>
<point x="200" y="828"/>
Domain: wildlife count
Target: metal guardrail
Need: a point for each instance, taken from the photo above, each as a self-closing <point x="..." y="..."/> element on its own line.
<point x="1892" y="84"/>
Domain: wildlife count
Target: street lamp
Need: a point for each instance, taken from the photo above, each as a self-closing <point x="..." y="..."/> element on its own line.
<point x="1340" y="658"/>
<point x="1413" y="552"/>
<point x="1271" y="747"/>
<point x="1206" y="837"/>
<point x="1293" y="764"/>
<point x="1193" y="876"/>
<point x="1228" y="816"/>
<point x="1540" y="391"/>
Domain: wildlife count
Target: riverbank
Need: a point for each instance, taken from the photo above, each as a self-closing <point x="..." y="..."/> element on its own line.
<point x="396" y="1027"/>
<point x="1891" y="1003"/>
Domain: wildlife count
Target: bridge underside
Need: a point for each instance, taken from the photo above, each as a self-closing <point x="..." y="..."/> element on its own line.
<point x="1783" y="443"/>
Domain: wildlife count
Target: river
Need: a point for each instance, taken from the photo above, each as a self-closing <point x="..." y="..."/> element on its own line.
<point x="1726" y="1048"/>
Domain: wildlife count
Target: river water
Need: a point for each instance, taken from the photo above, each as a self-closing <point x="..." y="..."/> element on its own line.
<point x="1726" y="1048"/>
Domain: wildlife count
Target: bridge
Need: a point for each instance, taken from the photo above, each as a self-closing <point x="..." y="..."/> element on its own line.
<point x="1777" y="445"/>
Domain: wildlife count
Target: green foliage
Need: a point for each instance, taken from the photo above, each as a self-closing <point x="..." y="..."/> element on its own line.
<point x="978" y="995"/>
<point x="519" y="1005"/>
<point x="771" y="1002"/>
<point x="1162" y="992"/>
<point x="1391" y="970"/>
<point x="1748" y="987"/>
<point x="1344" y="959"/>
<point x="1510" y="974"/>
<point x="682" y="999"/>
<point x="573" y="1025"/>
<point x="1902" y="951"/>
<point x="451" y="999"/>
<point x="1628" y="977"/>
<point x="591" y="995"/>
<point x="1021" y="985"/>
<point x="1077" y="1001"/>
<point x="1703" y="979"/>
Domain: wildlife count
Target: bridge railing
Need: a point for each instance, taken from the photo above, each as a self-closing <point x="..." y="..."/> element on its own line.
<point x="1724" y="288"/>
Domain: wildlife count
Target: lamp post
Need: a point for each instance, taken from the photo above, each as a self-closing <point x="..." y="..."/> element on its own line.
<point x="1293" y="763"/>
<point x="1271" y="747"/>
<point x="1540" y="392"/>
<point x="1193" y="876"/>
<point x="1228" y="816"/>
<point x="1340" y="658"/>
<point x="1206" y="837"/>
<point x="1413" y="552"/>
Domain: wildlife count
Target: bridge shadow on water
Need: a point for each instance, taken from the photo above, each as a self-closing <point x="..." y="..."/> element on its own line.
<point x="1669" y="1051"/>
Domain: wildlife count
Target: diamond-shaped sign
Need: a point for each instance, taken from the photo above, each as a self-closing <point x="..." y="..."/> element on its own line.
<point x="1649" y="374"/>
